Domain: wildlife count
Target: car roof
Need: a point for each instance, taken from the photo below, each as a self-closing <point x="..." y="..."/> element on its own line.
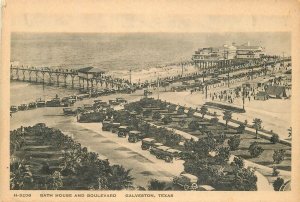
<point x="174" y="150"/>
<point x="134" y="131"/>
<point x="163" y="148"/>
<point x="190" y="176"/>
<point x="148" y="139"/>
<point x="123" y="127"/>
<point x="158" y="143"/>
<point x="207" y="187"/>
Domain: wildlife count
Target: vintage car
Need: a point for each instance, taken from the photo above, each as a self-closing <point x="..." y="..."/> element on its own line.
<point x="161" y="152"/>
<point x="175" y="153"/>
<point x="32" y="105"/>
<point x="135" y="136"/>
<point x="69" y="111"/>
<point x="206" y="188"/>
<point x="22" y="107"/>
<point x="55" y="102"/>
<point x="13" y="109"/>
<point x="113" y="102"/>
<point x="115" y="126"/>
<point x="40" y="103"/>
<point x="147" y="92"/>
<point x="147" y="143"/>
<point x="82" y="96"/>
<point x="186" y="181"/>
<point x="106" y="125"/>
<point x="91" y="117"/>
<point x="123" y="131"/>
<point x="121" y="100"/>
<point x="88" y="107"/>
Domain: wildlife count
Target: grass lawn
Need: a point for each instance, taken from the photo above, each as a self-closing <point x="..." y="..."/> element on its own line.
<point x="266" y="158"/>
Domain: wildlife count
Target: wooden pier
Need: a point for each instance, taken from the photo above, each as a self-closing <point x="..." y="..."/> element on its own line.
<point x="85" y="78"/>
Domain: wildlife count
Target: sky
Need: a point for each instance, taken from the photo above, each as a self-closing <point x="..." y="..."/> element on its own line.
<point x="150" y="16"/>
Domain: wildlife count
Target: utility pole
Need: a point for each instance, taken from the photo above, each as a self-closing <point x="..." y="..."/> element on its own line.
<point x="130" y="76"/>
<point x="228" y="77"/>
<point x="283" y="59"/>
<point x="181" y="69"/>
<point x="158" y="86"/>
<point x="243" y="93"/>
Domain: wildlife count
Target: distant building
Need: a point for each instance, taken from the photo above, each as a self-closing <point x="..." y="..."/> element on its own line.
<point x="224" y="55"/>
<point x="248" y="52"/>
<point x="89" y="72"/>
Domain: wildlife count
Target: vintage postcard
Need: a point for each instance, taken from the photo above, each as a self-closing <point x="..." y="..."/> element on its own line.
<point x="150" y="100"/>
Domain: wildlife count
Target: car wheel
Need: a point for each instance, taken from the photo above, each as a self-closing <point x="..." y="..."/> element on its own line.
<point x="194" y="186"/>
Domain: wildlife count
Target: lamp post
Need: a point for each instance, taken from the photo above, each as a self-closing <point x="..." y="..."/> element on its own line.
<point x="243" y="98"/>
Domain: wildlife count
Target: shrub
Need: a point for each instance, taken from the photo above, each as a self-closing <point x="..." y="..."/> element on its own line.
<point x="275" y="171"/>
<point x="156" y="116"/>
<point x="238" y="162"/>
<point x="223" y="155"/>
<point x="278" y="183"/>
<point x="278" y="156"/>
<point x="180" y="110"/>
<point x="190" y="112"/>
<point x="154" y="184"/>
<point x="245" y="180"/>
<point x="167" y="119"/>
<point x="241" y="128"/>
<point x="234" y="142"/>
<point x="221" y="138"/>
<point x="182" y="122"/>
<point x="255" y="150"/>
<point x="193" y="125"/>
<point x="274" y="139"/>
<point x="214" y="120"/>
<point x="147" y="112"/>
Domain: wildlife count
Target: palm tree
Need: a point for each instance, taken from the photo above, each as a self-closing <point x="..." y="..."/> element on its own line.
<point x="290" y="132"/>
<point x="227" y="116"/>
<point x="203" y="111"/>
<point x="20" y="176"/>
<point x="120" y="178"/>
<point x="257" y="125"/>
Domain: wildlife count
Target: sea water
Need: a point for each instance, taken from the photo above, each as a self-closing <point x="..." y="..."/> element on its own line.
<point x="118" y="52"/>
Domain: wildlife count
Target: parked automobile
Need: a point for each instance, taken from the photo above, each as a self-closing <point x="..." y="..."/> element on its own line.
<point x="113" y="102"/>
<point x="22" y="107"/>
<point x="135" y="136"/>
<point x="123" y="131"/>
<point x="161" y="152"/>
<point x="121" y="100"/>
<point x="147" y="92"/>
<point x="40" y="103"/>
<point x="55" y="102"/>
<point x="114" y="127"/>
<point x="87" y="107"/>
<point x="69" y="111"/>
<point x="186" y="181"/>
<point x="32" y="105"/>
<point x="91" y="117"/>
<point x="147" y="143"/>
<point x="106" y="125"/>
<point x="13" y="109"/>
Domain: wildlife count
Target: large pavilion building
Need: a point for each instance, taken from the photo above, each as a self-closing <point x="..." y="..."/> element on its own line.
<point x="225" y="55"/>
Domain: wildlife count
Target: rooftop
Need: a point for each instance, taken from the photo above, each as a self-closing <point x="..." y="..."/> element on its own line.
<point x="90" y="70"/>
